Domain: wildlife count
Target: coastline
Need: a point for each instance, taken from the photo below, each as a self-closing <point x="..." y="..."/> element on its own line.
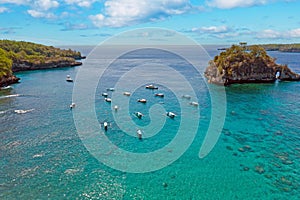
<point x="18" y="56"/>
<point x="25" y="66"/>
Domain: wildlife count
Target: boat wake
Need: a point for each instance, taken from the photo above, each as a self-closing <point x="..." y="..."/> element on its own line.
<point x="23" y="111"/>
<point x="3" y="112"/>
<point x="9" y="96"/>
<point x="6" y="88"/>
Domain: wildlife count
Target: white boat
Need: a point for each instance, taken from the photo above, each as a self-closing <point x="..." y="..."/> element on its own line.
<point x="170" y="114"/>
<point x="186" y="96"/>
<point x="110" y="89"/>
<point x="139" y="115"/>
<point x="72" y="105"/>
<point x="69" y="79"/>
<point x="104" y="94"/>
<point x="105" y="125"/>
<point x="142" y="100"/>
<point x="107" y="99"/>
<point x="126" y="93"/>
<point x="139" y="134"/>
<point x="193" y="103"/>
<point x="152" y="87"/>
<point x="159" y="95"/>
<point x="116" y="107"/>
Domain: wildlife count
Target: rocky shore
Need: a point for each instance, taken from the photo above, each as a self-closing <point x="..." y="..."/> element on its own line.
<point x="25" y="66"/>
<point x="8" y="80"/>
<point x="236" y="65"/>
<point x="16" y="56"/>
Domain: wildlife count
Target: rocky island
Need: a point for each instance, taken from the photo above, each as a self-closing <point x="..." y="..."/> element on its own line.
<point x="18" y="56"/>
<point x="239" y="64"/>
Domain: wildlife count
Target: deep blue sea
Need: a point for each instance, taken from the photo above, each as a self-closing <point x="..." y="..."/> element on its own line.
<point x="42" y="155"/>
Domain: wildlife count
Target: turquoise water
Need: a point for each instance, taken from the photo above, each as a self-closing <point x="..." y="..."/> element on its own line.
<point x="256" y="157"/>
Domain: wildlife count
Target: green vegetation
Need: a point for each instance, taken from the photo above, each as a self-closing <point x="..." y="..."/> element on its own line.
<point x="35" y="53"/>
<point x="238" y="56"/>
<point x="5" y="64"/>
<point x="15" y="52"/>
<point x="281" y="47"/>
<point x="246" y="64"/>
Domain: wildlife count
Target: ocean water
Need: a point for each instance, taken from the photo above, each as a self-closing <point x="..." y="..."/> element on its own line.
<point x="42" y="155"/>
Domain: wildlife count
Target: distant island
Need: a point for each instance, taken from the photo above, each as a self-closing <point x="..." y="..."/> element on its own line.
<point x="18" y="56"/>
<point x="293" y="48"/>
<point x="246" y="64"/>
<point x="280" y="47"/>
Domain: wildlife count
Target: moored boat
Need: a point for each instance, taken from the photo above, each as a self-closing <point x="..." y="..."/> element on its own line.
<point x="152" y="87"/>
<point x="139" y="134"/>
<point x="110" y="89"/>
<point x="159" y="95"/>
<point x="126" y="93"/>
<point x="69" y="79"/>
<point x="105" y="125"/>
<point x="142" y="100"/>
<point x="170" y="114"/>
<point x="104" y="94"/>
<point x="139" y="115"/>
<point x="186" y="96"/>
<point x="107" y="99"/>
<point x="193" y="103"/>
<point x="72" y="105"/>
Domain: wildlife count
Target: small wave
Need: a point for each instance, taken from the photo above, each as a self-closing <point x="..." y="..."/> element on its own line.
<point x="23" y="111"/>
<point x="37" y="156"/>
<point x="72" y="171"/>
<point x="6" y="88"/>
<point x="10" y="96"/>
<point x="3" y="112"/>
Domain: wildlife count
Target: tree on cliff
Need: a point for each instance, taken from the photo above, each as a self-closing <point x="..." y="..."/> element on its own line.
<point x="5" y="64"/>
<point x="14" y="55"/>
<point x="240" y="64"/>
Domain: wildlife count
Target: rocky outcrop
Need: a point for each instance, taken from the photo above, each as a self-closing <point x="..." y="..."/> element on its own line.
<point x="18" y="56"/>
<point x="236" y="65"/>
<point x="7" y="80"/>
<point x="25" y="65"/>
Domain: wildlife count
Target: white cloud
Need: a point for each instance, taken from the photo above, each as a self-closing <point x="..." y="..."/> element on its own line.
<point x="118" y="13"/>
<point x="40" y="14"/>
<point x="18" y="2"/>
<point x="40" y="9"/>
<point x="227" y="4"/>
<point x="45" y="4"/>
<point x="268" y="33"/>
<point x="211" y="29"/>
<point x="272" y="34"/>
<point x="221" y="32"/>
<point x="295" y="33"/>
<point x="3" y="9"/>
<point x="81" y="3"/>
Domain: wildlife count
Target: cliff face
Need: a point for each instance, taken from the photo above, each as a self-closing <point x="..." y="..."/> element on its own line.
<point x="18" y="56"/>
<point x="236" y="65"/>
<point x="7" y="80"/>
<point x="25" y="65"/>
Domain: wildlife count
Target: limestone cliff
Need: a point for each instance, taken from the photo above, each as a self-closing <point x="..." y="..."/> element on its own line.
<point x="236" y="65"/>
<point x="22" y="56"/>
<point x="23" y="65"/>
<point x="7" y="80"/>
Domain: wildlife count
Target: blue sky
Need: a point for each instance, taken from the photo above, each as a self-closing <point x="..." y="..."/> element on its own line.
<point x="88" y="22"/>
